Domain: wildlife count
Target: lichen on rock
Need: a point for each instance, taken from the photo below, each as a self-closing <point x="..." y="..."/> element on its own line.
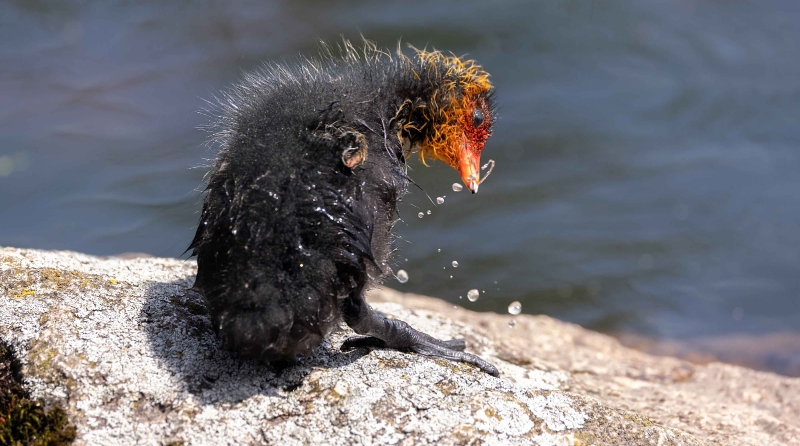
<point x="24" y="421"/>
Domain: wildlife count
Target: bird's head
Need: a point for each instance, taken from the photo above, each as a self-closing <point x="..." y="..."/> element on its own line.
<point x="451" y="114"/>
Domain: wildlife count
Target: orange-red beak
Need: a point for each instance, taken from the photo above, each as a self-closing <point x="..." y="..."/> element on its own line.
<point x="469" y="162"/>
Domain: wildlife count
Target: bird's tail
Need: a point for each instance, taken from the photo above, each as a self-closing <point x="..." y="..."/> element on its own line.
<point x="276" y="326"/>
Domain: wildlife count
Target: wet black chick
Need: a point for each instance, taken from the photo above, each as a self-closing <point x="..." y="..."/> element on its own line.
<point x="301" y="200"/>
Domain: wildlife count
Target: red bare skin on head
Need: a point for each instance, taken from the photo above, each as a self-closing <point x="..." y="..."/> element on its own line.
<point x="477" y="136"/>
<point x="476" y="128"/>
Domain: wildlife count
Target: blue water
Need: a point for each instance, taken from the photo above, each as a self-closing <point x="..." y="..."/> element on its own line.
<point x="648" y="153"/>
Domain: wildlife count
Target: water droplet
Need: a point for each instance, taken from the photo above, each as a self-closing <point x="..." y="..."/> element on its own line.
<point x="439" y="250"/>
<point x="457" y="187"/>
<point x="451" y="277"/>
<point x="512" y="323"/>
<point x="460" y="297"/>
<point x="439" y="200"/>
<point x="420" y="215"/>
<point x="429" y="212"/>
<point x="455" y="264"/>
<point x="233" y="232"/>
<point x="473" y="295"/>
<point x="495" y="282"/>
<point x="406" y="260"/>
<point x="515" y="308"/>
<point x="402" y="276"/>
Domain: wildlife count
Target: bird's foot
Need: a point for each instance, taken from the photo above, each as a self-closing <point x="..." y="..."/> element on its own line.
<point x="424" y="345"/>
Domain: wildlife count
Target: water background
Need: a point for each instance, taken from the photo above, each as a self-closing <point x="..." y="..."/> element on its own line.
<point x="648" y="153"/>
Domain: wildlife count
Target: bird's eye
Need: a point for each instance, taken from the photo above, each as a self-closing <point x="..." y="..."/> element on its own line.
<point x="478" y="118"/>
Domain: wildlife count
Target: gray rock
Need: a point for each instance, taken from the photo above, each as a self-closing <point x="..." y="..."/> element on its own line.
<point x="129" y="353"/>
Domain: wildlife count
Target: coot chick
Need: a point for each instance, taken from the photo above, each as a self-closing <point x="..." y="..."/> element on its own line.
<point x="302" y="197"/>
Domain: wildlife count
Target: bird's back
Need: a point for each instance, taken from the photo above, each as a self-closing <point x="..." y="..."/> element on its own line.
<point x="288" y="226"/>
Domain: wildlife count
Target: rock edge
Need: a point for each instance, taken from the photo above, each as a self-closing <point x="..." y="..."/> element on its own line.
<point x="128" y="351"/>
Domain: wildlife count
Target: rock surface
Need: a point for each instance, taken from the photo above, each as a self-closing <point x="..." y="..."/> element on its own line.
<point x="128" y="352"/>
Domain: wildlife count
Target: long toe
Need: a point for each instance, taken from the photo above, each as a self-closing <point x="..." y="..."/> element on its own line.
<point x="430" y="349"/>
<point x="455" y="344"/>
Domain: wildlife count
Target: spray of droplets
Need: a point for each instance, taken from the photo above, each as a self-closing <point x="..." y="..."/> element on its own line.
<point x="490" y="165"/>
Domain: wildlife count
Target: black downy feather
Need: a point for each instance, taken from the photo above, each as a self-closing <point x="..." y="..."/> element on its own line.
<point x="288" y="230"/>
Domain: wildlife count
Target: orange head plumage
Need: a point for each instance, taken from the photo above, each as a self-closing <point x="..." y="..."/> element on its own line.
<point x="448" y="113"/>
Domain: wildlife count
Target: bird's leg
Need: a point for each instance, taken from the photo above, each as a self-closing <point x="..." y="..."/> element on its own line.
<point x="389" y="333"/>
<point x="371" y="341"/>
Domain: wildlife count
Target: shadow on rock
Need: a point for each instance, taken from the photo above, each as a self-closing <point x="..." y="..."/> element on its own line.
<point x="178" y="328"/>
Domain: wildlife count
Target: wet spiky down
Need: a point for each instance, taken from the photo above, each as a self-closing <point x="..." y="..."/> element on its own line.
<point x="302" y="196"/>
